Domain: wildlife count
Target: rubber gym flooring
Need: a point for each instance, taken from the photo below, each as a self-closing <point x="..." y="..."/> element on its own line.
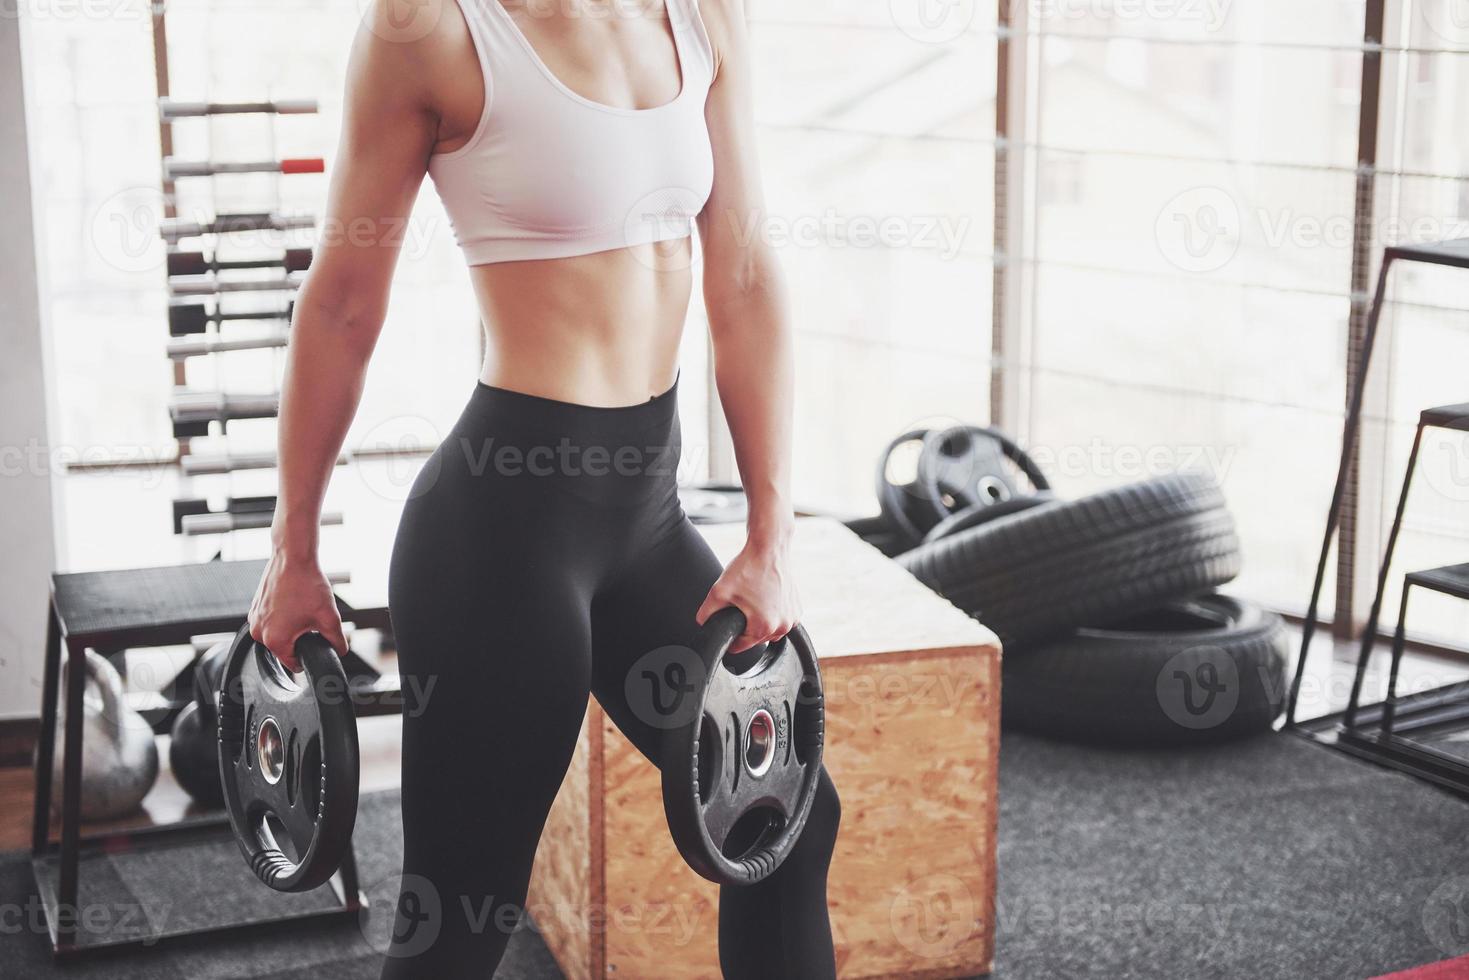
<point x="1271" y="858"/>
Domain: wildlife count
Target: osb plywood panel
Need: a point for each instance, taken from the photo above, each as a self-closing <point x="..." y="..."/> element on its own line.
<point x="854" y="599"/>
<point x="566" y="882"/>
<point x="913" y="752"/>
<point x="913" y="695"/>
<point x="662" y="918"/>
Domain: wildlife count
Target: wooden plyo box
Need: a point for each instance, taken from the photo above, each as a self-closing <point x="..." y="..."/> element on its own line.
<point x="912" y="744"/>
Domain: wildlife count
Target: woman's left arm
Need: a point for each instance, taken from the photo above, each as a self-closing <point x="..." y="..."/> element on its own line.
<point x="749" y="324"/>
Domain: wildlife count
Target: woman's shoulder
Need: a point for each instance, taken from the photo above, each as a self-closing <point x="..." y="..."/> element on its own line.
<point x="724" y="20"/>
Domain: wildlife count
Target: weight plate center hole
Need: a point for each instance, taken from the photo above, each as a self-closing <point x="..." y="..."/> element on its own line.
<point x="759" y="743"/>
<point x="993" y="490"/>
<point x="270" y="750"/>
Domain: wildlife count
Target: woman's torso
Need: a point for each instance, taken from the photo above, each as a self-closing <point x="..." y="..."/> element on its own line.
<point x="600" y="328"/>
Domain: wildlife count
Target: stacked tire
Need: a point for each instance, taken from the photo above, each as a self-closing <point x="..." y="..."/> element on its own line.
<point x="1106" y="608"/>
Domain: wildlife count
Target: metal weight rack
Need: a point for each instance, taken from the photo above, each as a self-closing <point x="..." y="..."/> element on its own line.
<point x="1415" y="733"/>
<point x="226" y="296"/>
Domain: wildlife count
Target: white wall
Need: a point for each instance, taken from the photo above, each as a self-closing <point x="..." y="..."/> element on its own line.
<point x="27" y="546"/>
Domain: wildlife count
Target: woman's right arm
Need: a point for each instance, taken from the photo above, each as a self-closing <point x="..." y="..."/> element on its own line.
<point x="388" y="133"/>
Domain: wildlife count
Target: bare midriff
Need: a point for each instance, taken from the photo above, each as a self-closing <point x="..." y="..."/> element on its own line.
<point x="600" y="329"/>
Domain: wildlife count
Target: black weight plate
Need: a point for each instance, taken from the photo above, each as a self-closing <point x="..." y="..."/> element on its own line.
<point x="967" y="468"/>
<point x="740" y="776"/>
<point x="899" y="501"/>
<point x="207" y="671"/>
<point x="984" y="513"/>
<point x="308" y="783"/>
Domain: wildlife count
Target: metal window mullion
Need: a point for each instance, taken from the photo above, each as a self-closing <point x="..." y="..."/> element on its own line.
<point x="1363" y="248"/>
<point x="1012" y="322"/>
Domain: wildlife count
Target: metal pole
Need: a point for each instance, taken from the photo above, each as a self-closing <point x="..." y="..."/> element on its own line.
<point x="1362" y="246"/>
<point x="1348" y="454"/>
<point x="46" y="740"/>
<point x="1369" y="634"/>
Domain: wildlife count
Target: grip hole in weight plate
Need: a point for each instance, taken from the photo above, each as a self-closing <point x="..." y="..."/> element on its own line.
<point x="711" y="759"/>
<point x="310" y="769"/>
<point x="754" y="826"/>
<point x="275" y="831"/>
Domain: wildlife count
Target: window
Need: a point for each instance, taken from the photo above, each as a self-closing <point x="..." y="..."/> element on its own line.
<point x="1180" y="243"/>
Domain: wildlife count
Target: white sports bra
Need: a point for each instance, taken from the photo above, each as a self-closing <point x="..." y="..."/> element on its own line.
<point x="549" y="173"/>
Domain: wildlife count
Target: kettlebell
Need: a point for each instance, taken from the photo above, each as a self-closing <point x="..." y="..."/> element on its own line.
<point x="207" y="672"/>
<point x="193" y="749"/>
<point x="193" y="755"/>
<point x="119" y="755"/>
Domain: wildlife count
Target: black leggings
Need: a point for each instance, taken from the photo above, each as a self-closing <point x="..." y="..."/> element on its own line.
<point x="541" y="553"/>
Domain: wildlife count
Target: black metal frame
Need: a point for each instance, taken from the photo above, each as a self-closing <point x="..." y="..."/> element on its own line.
<point x="56" y="865"/>
<point x="1388" y="732"/>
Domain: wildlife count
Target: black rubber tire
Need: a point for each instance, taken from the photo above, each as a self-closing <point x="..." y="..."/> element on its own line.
<point x="1147" y="681"/>
<point x="1044" y="572"/>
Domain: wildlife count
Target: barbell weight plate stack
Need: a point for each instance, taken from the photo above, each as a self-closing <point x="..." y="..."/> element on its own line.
<point x="961" y="476"/>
